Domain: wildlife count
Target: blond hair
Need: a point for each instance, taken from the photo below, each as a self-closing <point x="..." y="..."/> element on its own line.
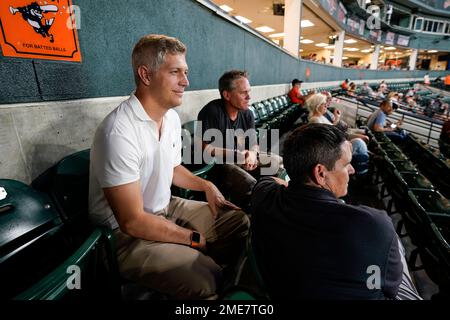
<point x="313" y="102"/>
<point x="151" y="50"/>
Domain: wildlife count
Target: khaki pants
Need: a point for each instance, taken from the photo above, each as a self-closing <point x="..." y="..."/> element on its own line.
<point x="178" y="270"/>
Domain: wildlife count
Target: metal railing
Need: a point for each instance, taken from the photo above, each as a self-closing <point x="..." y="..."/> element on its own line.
<point x="425" y="128"/>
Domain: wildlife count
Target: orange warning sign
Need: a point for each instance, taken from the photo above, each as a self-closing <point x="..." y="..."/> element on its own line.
<point x="39" y="29"/>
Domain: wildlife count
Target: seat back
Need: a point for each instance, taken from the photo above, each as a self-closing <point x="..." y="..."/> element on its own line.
<point x="263" y="114"/>
<point x="255" y="114"/>
<point x="30" y="237"/>
<point x="269" y="108"/>
<point x="83" y="275"/>
<point x="67" y="183"/>
<point x="190" y="138"/>
<point x="433" y="237"/>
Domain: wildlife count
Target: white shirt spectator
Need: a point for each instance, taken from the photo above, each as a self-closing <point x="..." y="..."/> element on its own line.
<point x="126" y="149"/>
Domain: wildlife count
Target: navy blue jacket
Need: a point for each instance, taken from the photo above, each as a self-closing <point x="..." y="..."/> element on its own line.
<point x="309" y="245"/>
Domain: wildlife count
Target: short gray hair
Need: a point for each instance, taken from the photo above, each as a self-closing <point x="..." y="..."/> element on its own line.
<point x="151" y="51"/>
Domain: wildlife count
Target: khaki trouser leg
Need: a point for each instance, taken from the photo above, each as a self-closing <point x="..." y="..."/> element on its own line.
<point x="178" y="270"/>
<point x="225" y="236"/>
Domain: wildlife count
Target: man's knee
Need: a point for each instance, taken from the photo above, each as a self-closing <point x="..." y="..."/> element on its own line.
<point x="238" y="179"/>
<point x="176" y="270"/>
<point x="199" y="279"/>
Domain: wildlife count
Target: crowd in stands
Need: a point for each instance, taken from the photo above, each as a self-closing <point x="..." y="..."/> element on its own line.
<point x="309" y="242"/>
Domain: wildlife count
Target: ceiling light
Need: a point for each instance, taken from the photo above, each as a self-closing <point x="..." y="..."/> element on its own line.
<point x="366" y="50"/>
<point x="276" y="35"/>
<point x="243" y="19"/>
<point x="351" y="49"/>
<point x="350" y="41"/>
<point x="226" y="8"/>
<point x="301" y="50"/>
<point x="390" y="48"/>
<point x="265" y="29"/>
<point x="306" y="41"/>
<point x="329" y="47"/>
<point x="432" y="51"/>
<point x="344" y="58"/>
<point x="306" y="24"/>
<point x="321" y="44"/>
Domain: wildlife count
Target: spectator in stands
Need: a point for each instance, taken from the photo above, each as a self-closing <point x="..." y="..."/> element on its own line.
<point x="366" y="90"/>
<point x="377" y="122"/>
<point x="341" y="124"/>
<point x="345" y="84"/>
<point x="295" y="94"/>
<point x="317" y="106"/>
<point x="411" y="102"/>
<point x="311" y="245"/>
<point x="426" y="79"/>
<point x="169" y="244"/>
<point x="447" y="82"/>
<point x="383" y="88"/>
<point x="238" y="146"/>
<point x="330" y="115"/>
<point x="394" y="98"/>
<point x="351" y="89"/>
<point x="444" y="139"/>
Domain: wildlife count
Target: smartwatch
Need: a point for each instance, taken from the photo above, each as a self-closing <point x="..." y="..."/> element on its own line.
<point x="195" y="239"/>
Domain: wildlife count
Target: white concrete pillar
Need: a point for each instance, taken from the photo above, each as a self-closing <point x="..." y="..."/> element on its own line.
<point x="292" y="18"/>
<point x="375" y="57"/>
<point x="413" y="59"/>
<point x="339" y="49"/>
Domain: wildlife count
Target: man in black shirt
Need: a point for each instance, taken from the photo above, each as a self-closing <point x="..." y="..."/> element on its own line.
<point x="228" y="134"/>
<point x="309" y="244"/>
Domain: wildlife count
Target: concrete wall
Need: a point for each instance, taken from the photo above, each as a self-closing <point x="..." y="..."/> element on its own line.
<point x="34" y="136"/>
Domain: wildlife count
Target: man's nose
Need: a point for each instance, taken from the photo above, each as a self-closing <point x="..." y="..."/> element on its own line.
<point x="184" y="81"/>
<point x="351" y="170"/>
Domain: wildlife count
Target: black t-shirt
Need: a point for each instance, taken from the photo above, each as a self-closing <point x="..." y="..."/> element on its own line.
<point x="214" y="116"/>
<point x="311" y="246"/>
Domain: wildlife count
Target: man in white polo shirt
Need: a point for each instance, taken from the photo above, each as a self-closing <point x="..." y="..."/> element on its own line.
<point x="169" y="244"/>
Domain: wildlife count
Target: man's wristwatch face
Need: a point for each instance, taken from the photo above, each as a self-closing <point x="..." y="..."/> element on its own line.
<point x="195" y="239"/>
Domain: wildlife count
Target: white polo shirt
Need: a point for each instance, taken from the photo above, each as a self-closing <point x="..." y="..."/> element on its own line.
<point x="126" y="149"/>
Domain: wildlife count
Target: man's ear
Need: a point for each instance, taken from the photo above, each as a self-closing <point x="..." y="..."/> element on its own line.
<point x="318" y="174"/>
<point x="144" y="74"/>
<point x="226" y="95"/>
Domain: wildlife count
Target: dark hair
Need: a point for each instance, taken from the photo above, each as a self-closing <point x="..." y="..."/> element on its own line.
<point x="310" y="145"/>
<point x="295" y="81"/>
<point x="226" y="81"/>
